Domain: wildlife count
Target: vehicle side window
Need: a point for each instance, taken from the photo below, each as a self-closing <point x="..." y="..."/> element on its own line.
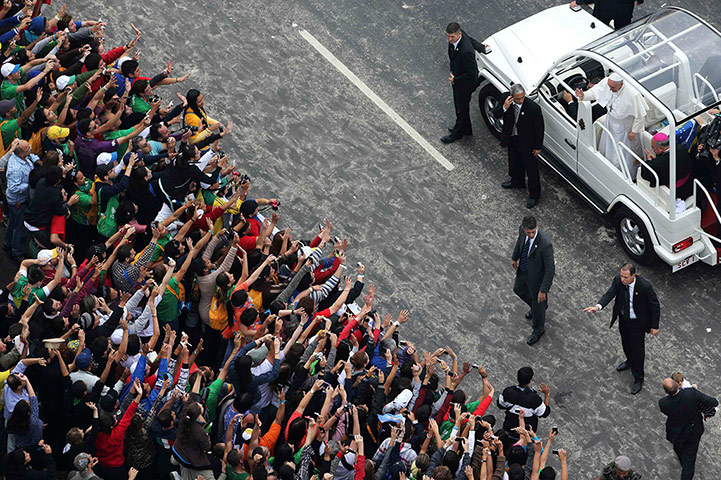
<point x="553" y="93"/>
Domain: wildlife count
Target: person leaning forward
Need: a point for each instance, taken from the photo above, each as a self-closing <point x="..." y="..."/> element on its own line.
<point x="638" y="312"/>
<point x="619" y="469"/>
<point x="686" y="410"/>
<point x="533" y="261"/>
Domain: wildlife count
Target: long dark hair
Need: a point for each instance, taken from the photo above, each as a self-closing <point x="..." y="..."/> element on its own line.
<point x="138" y="183"/>
<point x="40" y="121"/>
<point x="192" y="98"/>
<point x="188" y="418"/>
<point x="19" y="421"/>
<point x="138" y="87"/>
<point x="242" y="370"/>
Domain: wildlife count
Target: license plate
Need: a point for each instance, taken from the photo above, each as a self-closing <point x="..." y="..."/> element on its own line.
<point x="685" y="262"/>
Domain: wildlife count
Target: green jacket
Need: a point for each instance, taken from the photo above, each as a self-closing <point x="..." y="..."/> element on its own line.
<point x="609" y="473"/>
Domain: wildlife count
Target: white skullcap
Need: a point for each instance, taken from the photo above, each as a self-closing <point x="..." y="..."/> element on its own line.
<point x="615" y="77"/>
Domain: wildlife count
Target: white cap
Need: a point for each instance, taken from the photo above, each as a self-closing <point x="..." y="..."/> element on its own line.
<point x="105" y="158"/>
<point x="61" y="82"/>
<point x="46" y="255"/>
<point x="615" y="77"/>
<point x="122" y="60"/>
<point x="9" y="68"/>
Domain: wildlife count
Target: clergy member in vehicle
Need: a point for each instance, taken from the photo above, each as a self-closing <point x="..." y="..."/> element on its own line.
<point x="625" y="119"/>
<point x="658" y="159"/>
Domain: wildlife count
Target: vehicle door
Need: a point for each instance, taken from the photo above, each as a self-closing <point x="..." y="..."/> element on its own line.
<point x="561" y="128"/>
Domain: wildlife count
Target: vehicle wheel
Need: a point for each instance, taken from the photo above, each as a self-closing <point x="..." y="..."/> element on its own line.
<point x="634" y="237"/>
<point x="488" y="99"/>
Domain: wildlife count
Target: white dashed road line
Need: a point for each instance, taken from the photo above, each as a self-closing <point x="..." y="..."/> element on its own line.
<point x="376" y="99"/>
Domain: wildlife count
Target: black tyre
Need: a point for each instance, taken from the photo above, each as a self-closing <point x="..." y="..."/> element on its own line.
<point x="634" y="237"/>
<point x="488" y="99"/>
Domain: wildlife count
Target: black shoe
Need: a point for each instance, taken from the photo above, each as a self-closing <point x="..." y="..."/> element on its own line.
<point x="450" y="138"/>
<point x="623" y="366"/>
<point x="468" y="134"/>
<point x="510" y="184"/>
<point x="637" y="386"/>
<point x="535" y="337"/>
<point x="531" y="202"/>
<point x="528" y="314"/>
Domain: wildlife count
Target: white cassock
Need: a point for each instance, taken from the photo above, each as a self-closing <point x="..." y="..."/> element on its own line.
<point x="626" y="113"/>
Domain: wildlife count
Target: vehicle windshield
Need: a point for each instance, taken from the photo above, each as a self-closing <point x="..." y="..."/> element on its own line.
<point x="674" y="55"/>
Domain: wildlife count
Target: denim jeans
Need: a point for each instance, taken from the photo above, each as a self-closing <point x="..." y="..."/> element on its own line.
<point x="16" y="234"/>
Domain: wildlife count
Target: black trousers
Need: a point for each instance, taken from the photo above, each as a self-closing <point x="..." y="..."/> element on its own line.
<point x="633" y="339"/>
<point x="686" y="451"/>
<point x="530" y="296"/>
<point x="620" y="16"/>
<point x="462" y="102"/>
<point x="522" y="163"/>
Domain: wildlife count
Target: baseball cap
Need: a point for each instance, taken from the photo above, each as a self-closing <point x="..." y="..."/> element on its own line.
<point x="81" y="462"/>
<point x="82" y="361"/>
<point x="623" y="463"/>
<point x="63" y="81"/>
<point x="56" y="132"/>
<point x="103" y="170"/>
<point x="8" y="69"/>
<point x="6" y="106"/>
<point x="46" y="255"/>
<point x="106" y="158"/>
<point x="37" y="25"/>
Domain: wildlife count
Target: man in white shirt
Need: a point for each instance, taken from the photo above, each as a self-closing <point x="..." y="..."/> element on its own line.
<point x="638" y="311"/>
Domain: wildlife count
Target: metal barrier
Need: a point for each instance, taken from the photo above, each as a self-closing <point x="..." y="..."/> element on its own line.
<point x="644" y="164"/>
<point x="696" y="77"/>
<point x="624" y="168"/>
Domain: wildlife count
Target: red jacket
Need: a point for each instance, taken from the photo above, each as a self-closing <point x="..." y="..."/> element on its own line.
<point x="109" y="448"/>
<point x="109" y="58"/>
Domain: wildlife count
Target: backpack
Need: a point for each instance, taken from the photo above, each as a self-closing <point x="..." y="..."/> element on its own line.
<point x="92" y="214"/>
<point x="107" y="226"/>
<point x="218" y="314"/>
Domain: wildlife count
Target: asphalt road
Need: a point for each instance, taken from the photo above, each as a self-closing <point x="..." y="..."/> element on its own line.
<point x="435" y="242"/>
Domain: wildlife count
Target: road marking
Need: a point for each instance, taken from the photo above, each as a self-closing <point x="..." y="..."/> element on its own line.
<point x="376" y="99"/>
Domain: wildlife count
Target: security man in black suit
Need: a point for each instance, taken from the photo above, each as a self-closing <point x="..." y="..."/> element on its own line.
<point x="535" y="267"/>
<point x="685" y="409"/>
<point x="620" y="11"/>
<point x="638" y="312"/>
<point x="464" y="78"/>
<point x="522" y="133"/>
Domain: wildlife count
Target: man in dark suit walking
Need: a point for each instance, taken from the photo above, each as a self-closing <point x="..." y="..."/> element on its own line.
<point x="532" y="259"/>
<point x="638" y="312"/>
<point x="620" y="11"/>
<point x="464" y="78"/>
<point x="522" y="133"/>
<point x="686" y="410"/>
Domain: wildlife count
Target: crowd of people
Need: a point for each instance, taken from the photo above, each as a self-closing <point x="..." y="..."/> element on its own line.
<point x="162" y="325"/>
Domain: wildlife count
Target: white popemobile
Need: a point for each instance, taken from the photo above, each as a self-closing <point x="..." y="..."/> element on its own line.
<point x="667" y="57"/>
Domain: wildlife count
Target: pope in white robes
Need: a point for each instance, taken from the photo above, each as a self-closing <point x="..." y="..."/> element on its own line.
<point x="625" y="118"/>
